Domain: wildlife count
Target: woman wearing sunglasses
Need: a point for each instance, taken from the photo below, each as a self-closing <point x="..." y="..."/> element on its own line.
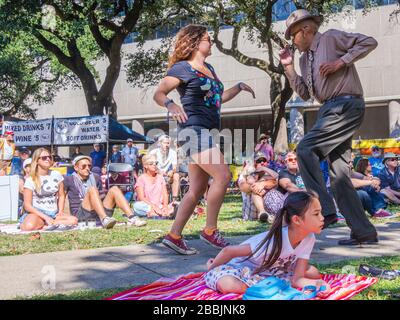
<point x="201" y="96"/>
<point x="151" y="190"/>
<point x="44" y="195"/>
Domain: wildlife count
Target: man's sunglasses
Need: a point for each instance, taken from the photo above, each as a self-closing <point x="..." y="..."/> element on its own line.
<point x="291" y="159"/>
<point x="261" y="160"/>
<point x="44" y="158"/>
<point x="393" y="159"/>
<point x="84" y="166"/>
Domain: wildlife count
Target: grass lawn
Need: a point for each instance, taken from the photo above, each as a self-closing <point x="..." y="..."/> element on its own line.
<point x="383" y="290"/>
<point x="230" y="223"/>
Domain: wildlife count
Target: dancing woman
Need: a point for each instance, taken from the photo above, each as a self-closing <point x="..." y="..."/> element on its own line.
<point x="201" y="94"/>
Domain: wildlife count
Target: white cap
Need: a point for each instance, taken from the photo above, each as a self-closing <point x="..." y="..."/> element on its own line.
<point x="79" y="158"/>
<point x="27" y="162"/>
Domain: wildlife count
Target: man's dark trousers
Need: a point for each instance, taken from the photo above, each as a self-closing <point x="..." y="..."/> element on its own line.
<point x="331" y="138"/>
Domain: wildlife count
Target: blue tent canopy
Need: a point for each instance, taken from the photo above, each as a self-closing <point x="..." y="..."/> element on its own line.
<point x="120" y="133"/>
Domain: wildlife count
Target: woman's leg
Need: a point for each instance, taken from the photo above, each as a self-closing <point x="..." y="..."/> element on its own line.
<point x="66" y="220"/>
<point x="219" y="171"/>
<point x="198" y="183"/>
<point x="229" y="284"/>
<point x="32" y="222"/>
<point x="258" y="203"/>
<point x="312" y="273"/>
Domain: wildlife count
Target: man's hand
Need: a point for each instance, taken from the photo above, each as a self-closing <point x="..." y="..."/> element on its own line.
<point x="328" y="68"/>
<point x="375" y="184"/>
<point x="286" y="56"/>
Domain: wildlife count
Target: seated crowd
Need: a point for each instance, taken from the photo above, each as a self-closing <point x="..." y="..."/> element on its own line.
<point x="93" y="190"/>
<point x="266" y="183"/>
<point x="153" y="184"/>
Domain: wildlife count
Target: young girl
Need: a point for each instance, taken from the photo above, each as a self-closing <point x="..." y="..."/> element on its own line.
<point x="151" y="189"/>
<point x="44" y="195"/>
<point x="283" y="251"/>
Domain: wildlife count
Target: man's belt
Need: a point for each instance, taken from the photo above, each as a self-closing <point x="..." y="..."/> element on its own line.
<point x="345" y="97"/>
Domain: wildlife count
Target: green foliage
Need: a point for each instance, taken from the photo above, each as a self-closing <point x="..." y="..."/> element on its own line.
<point x="28" y="76"/>
<point x="76" y="34"/>
<point x="147" y="67"/>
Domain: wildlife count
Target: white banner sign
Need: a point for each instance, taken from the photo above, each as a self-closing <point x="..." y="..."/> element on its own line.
<point x="83" y="130"/>
<point x="30" y="133"/>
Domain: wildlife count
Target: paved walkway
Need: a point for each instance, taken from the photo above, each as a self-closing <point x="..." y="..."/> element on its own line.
<point x="139" y="264"/>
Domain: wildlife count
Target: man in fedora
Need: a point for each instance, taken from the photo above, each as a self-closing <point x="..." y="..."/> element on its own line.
<point x="264" y="147"/>
<point x="329" y="76"/>
<point x="390" y="177"/>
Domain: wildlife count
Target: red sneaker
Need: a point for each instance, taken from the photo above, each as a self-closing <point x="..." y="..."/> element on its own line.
<point x="382" y="214"/>
<point x="178" y="245"/>
<point x="216" y="240"/>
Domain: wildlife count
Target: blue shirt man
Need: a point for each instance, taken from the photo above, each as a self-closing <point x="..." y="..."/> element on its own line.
<point x="129" y="153"/>
<point x="116" y="156"/>
<point x="376" y="160"/>
<point x="98" y="156"/>
<point x="390" y="174"/>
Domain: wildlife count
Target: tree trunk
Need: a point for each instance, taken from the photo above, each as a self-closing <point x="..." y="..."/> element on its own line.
<point x="99" y="102"/>
<point x="279" y="97"/>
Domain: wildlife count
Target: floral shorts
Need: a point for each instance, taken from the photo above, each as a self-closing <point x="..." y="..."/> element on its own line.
<point x="243" y="274"/>
<point x="273" y="201"/>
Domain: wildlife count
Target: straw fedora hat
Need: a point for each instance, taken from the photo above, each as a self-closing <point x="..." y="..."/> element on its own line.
<point x="298" y="16"/>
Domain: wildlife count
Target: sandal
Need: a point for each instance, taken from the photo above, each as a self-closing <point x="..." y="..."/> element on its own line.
<point x="379" y="273"/>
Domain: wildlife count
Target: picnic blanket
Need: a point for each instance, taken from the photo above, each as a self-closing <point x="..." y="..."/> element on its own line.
<point x="13" y="228"/>
<point x="193" y="287"/>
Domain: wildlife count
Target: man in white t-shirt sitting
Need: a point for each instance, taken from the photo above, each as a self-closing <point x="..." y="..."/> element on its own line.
<point x="167" y="161"/>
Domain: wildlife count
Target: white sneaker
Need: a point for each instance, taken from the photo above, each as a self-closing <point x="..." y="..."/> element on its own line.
<point x="137" y="222"/>
<point x="108" y="222"/>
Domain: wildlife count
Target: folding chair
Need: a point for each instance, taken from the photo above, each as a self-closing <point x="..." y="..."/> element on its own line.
<point x="125" y="180"/>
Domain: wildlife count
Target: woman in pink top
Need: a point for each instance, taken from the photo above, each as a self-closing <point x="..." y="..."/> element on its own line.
<point x="151" y="190"/>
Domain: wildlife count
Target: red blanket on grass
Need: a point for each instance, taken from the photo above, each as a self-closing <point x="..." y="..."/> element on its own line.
<point x="193" y="287"/>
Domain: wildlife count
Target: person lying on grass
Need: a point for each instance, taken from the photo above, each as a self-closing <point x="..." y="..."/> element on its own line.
<point x="283" y="251"/>
<point x="88" y="202"/>
<point x="44" y="195"/>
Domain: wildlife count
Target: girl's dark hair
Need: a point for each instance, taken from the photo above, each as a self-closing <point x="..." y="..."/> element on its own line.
<point x="296" y="204"/>
<point x="362" y="165"/>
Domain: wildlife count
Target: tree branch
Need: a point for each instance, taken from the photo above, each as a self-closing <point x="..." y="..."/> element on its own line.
<point x="110" y="25"/>
<point x="61" y="57"/>
<point x="237" y="55"/>
<point x="102" y="42"/>
<point x="132" y="17"/>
